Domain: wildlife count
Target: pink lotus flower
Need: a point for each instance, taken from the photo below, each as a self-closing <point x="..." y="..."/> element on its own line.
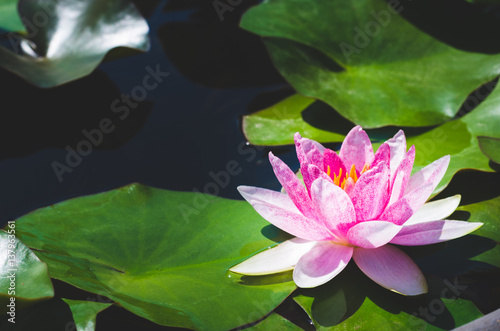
<point x="353" y="205"/>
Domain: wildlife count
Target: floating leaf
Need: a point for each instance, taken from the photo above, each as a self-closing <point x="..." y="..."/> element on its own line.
<point x="274" y="322"/>
<point x="10" y="18"/>
<point x="22" y="274"/>
<point x="487" y="212"/>
<point x="490" y="147"/>
<point x="85" y="312"/>
<point x="162" y="255"/>
<point x="69" y="38"/>
<point x="367" y="62"/>
<point x="459" y="139"/>
<point x="273" y="125"/>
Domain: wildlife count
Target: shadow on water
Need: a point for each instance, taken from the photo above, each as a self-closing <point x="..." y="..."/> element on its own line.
<point x="212" y="50"/>
<point x="56" y="117"/>
<point x="473" y="185"/>
<point x="466" y="26"/>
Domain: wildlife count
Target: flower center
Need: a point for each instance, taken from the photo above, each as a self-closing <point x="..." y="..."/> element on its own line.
<point x="349" y="177"/>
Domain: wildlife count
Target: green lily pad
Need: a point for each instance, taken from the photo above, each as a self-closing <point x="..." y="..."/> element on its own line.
<point x="63" y="48"/>
<point x="274" y="322"/>
<point x="487" y="212"/>
<point x="458" y="138"/>
<point x="367" y="62"/>
<point x="272" y="126"/>
<point x="490" y="147"/>
<point x="10" y="18"/>
<point x="22" y="275"/>
<point x="162" y="255"/>
<point x="85" y="313"/>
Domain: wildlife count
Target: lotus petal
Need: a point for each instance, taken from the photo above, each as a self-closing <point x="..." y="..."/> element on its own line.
<point x="389" y="267"/>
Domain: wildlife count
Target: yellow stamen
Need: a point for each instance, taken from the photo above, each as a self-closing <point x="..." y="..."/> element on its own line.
<point x="336" y="179"/>
<point x="353" y="174"/>
<point x="328" y="171"/>
<point x="365" y="168"/>
<point x="341" y="181"/>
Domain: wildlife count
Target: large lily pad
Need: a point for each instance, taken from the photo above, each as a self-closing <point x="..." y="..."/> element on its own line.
<point x="22" y="275"/>
<point x="458" y="138"/>
<point x="274" y="322"/>
<point x="487" y="212"/>
<point x="490" y="147"/>
<point x="273" y="125"/>
<point x="162" y="255"/>
<point x="69" y="38"/>
<point x="367" y="62"/>
<point x="10" y="20"/>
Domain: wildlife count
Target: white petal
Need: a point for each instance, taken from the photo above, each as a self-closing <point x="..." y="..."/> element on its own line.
<point x="435" y="210"/>
<point x="257" y="194"/>
<point x="389" y="267"/>
<point x="282" y="257"/>
<point x="323" y="262"/>
<point x="429" y="175"/>
<point x="372" y="234"/>
<point x="278" y="209"/>
<point x="397" y="146"/>
<point x="432" y="232"/>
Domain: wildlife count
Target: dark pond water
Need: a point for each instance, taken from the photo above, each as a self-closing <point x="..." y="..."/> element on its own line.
<point x="179" y="137"/>
<point x="185" y="131"/>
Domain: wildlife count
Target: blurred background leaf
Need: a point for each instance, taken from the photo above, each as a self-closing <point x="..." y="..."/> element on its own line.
<point x="10" y="19"/>
<point x="67" y="39"/>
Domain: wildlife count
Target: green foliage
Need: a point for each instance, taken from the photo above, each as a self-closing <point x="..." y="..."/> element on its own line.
<point x="85" y="312"/>
<point x="367" y="62"/>
<point x="277" y="124"/>
<point x="20" y="266"/>
<point x="487" y="212"/>
<point x="458" y="138"/>
<point x="490" y="147"/>
<point x="274" y="322"/>
<point x="162" y="255"/>
<point x="10" y="19"/>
